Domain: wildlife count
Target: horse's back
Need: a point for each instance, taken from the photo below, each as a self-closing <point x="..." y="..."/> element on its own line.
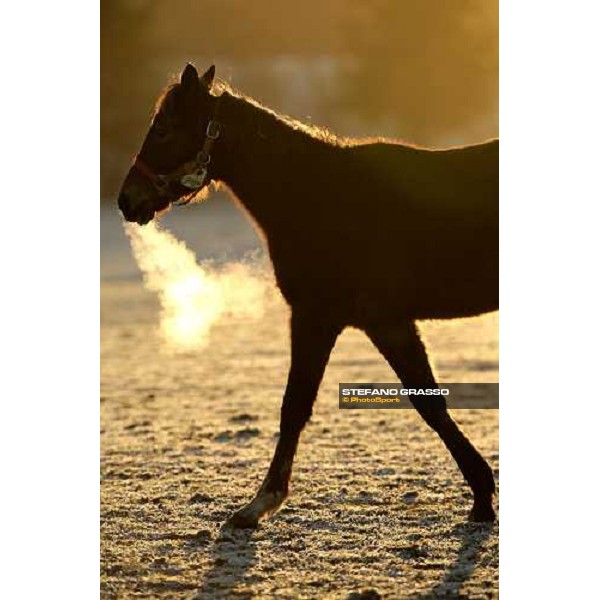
<point x="457" y="180"/>
<point x="432" y="217"/>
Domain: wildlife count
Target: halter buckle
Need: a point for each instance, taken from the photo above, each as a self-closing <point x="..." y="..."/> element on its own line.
<point x="194" y="181"/>
<point x="213" y="129"/>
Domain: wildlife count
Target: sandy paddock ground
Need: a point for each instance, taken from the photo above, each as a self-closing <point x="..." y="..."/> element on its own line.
<point x="377" y="506"/>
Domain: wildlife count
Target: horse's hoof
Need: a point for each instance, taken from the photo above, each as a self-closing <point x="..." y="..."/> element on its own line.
<point x="242" y="520"/>
<point x="482" y="514"/>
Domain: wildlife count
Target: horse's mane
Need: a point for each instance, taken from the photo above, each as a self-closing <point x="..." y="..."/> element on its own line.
<point x="316" y="132"/>
<point x="307" y="130"/>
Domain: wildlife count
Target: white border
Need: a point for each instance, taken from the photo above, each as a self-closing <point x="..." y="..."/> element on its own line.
<point x="50" y="299"/>
<point x="549" y="106"/>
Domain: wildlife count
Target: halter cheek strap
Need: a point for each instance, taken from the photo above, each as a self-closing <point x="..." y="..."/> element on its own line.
<point x="193" y="174"/>
<point x="160" y="182"/>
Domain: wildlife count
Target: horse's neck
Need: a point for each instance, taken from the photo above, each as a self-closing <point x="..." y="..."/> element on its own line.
<point x="259" y="157"/>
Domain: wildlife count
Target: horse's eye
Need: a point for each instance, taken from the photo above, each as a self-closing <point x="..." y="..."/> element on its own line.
<point x="161" y="133"/>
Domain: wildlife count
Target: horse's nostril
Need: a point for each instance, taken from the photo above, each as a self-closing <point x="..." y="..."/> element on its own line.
<point x="125" y="206"/>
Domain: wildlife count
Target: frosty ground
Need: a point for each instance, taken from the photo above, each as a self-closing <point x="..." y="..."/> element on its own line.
<point x="377" y="505"/>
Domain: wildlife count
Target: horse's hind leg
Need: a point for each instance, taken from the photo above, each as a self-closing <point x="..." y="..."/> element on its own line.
<point x="312" y="341"/>
<point x="404" y="350"/>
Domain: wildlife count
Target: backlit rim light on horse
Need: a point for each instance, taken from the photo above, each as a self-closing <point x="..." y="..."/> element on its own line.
<point x="193" y="297"/>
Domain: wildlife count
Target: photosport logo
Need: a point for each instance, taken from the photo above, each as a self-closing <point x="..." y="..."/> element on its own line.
<point x="394" y="395"/>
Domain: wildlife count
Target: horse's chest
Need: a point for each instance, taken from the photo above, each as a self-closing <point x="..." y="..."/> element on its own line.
<point x="304" y="269"/>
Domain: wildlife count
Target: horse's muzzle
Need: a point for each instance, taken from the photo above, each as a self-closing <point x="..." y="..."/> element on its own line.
<point x="134" y="213"/>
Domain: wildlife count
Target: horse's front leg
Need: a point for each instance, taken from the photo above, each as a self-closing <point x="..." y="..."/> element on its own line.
<point x="311" y="341"/>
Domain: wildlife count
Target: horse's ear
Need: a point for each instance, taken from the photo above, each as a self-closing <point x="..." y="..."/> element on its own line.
<point x="189" y="77"/>
<point x="208" y="77"/>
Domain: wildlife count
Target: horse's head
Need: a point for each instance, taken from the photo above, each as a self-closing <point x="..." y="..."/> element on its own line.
<point x="172" y="163"/>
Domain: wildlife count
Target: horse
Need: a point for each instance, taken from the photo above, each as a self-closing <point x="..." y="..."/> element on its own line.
<point x="371" y="234"/>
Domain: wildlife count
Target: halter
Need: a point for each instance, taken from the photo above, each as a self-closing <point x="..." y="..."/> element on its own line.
<point x="192" y="174"/>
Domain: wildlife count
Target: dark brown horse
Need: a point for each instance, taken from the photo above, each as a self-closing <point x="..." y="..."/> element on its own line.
<point x="373" y="235"/>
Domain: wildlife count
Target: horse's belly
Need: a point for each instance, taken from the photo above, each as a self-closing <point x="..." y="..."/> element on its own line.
<point x="354" y="281"/>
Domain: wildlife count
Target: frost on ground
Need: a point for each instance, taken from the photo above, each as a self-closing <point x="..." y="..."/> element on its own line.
<point x="377" y="507"/>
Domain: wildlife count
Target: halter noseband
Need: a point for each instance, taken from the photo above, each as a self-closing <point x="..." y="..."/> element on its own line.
<point x="193" y="174"/>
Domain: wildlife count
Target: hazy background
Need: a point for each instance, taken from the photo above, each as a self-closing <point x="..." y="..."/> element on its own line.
<point x="425" y="71"/>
